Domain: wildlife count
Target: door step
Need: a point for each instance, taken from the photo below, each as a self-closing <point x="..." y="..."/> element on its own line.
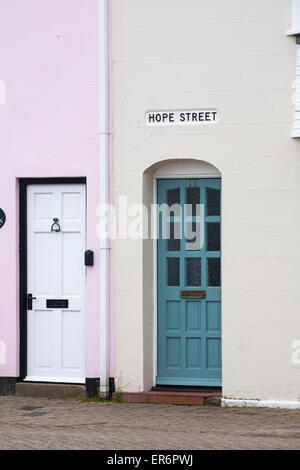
<point x="179" y="388"/>
<point x="172" y="398"/>
<point x="49" y="390"/>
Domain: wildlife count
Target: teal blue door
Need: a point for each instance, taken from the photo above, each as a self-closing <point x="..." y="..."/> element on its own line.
<point x="189" y="283"/>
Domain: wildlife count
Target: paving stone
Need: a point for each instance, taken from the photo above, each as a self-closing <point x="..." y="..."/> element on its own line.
<point x="75" y="424"/>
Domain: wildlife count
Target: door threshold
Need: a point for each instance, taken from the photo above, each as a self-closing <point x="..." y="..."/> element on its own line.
<point x="182" y="388"/>
<point x="54" y="380"/>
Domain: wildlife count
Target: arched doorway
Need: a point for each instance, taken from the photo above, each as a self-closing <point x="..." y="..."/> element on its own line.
<point x="187" y="274"/>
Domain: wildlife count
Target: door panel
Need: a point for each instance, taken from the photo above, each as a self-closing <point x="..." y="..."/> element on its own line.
<point x="55" y="270"/>
<point x="189" y="260"/>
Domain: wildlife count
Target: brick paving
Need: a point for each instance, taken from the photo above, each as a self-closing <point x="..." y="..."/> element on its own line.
<point x="74" y="424"/>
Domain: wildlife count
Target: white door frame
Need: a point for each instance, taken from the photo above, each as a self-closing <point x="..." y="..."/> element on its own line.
<point x="24" y="183"/>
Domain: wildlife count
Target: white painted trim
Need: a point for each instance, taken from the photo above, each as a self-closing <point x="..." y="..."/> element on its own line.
<point x="190" y="168"/>
<point x="292" y="405"/>
<point x="296" y="122"/>
<point x="158" y="175"/>
<point x="295" y="16"/>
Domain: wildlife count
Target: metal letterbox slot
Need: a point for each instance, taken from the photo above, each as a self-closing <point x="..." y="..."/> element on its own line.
<point x="57" y="303"/>
<point x="193" y="294"/>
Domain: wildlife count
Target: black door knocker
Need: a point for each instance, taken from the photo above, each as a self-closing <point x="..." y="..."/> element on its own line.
<point x="2" y="218"/>
<point x="55" y="226"/>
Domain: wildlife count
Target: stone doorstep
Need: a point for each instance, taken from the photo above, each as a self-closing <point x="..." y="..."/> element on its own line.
<point x="172" y="398"/>
<point x="71" y="391"/>
<point x="47" y="390"/>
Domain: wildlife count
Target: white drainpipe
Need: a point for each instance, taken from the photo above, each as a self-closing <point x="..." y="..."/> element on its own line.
<point x="104" y="193"/>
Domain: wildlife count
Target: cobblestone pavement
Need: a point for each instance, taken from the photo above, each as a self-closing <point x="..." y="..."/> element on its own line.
<point x="61" y="424"/>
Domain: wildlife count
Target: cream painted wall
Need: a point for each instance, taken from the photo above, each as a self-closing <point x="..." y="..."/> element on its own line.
<point x="233" y="56"/>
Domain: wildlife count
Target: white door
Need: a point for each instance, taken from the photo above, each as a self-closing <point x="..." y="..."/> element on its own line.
<point x="56" y="280"/>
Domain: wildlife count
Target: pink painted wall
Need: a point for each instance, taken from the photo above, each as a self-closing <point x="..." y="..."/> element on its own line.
<point x="48" y="128"/>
